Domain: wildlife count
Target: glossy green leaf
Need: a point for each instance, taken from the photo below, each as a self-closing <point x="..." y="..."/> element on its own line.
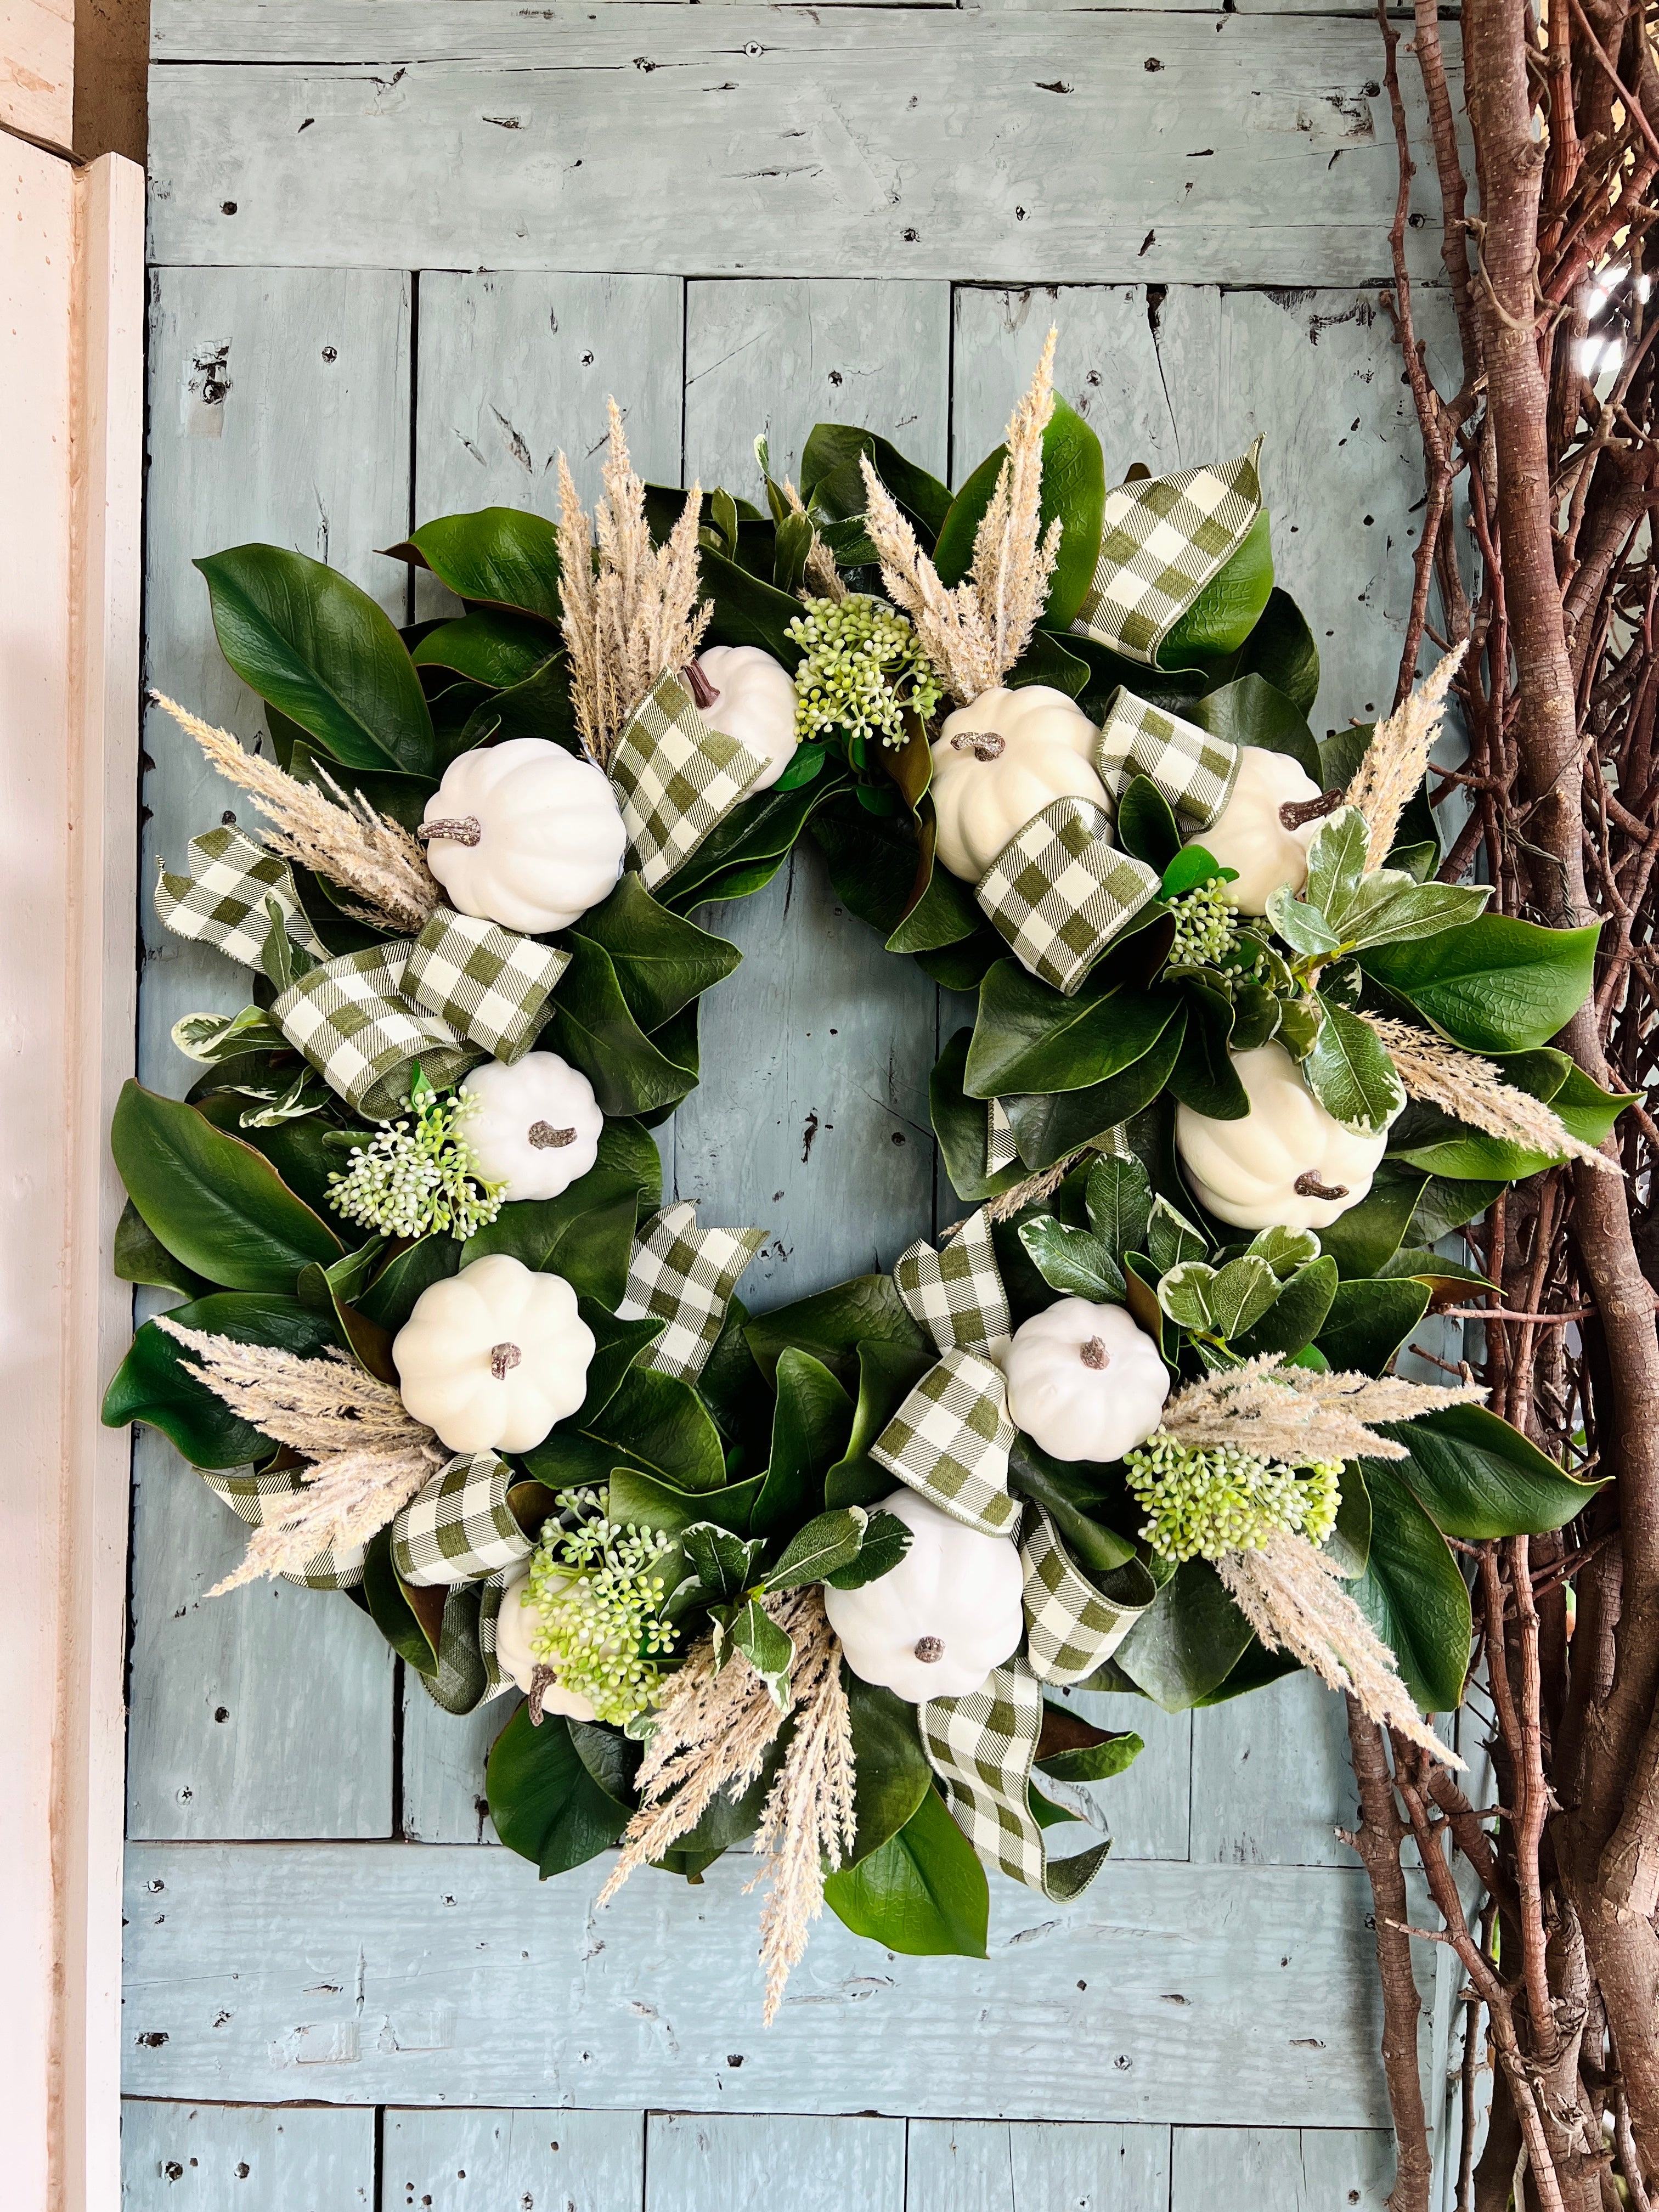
<point x="1047" y="1128"/>
<point x="1296" y="1316"/>
<point x="886" y="1539"/>
<point x="1146" y="827"/>
<point x="832" y="1325"/>
<point x="156" y="1381"/>
<point x="1078" y="1497"/>
<point x="770" y="1652"/>
<point x="1413" y="1594"/>
<point x="831" y="446"/>
<point x="1497" y="985"/>
<point x="653" y="1504"/>
<point x="1029" y="1038"/>
<point x="1203" y="1077"/>
<point x="616" y="1346"/>
<point x="811" y="1423"/>
<point x="308" y="640"/>
<point x="1073" y="1261"/>
<point x="741" y="855"/>
<point x="1362" y="1240"/>
<point x="748" y="611"/>
<point x="1096" y="1762"/>
<point x="1443" y="1206"/>
<point x="1228" y="607"/>
<point x="499" y="556"/>
<point x="1369" y="1322"/>
<point x="661" y="961"/>
<point x="1350" y="1074"/>
<point x="1251" y="711"/>
<point x="923" y="1892"/>
<point x="594" y="1029"/>
<point x="140" y="1256"/>
<point x="544" y="1803"/>
<point x="1478" y="1478"/>
<point x="390" y="1298"/>
<point x="1188" y="1643"/>
<point x="1118" y="1195"/>
<point x="827" y="1541"/>
<point x="886" y="1372"/>
<point x="1073" y="493"/>
<point x="586" y="1235"/>
<point x="890" y="1773"/>
<point x="1281" y="649"/>
<point x="492" y="646"/>
<point x="1047" y="661"/>
<point x="655" y="1422"/>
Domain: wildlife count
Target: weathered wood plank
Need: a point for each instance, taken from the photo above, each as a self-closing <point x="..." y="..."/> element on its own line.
<point x="990" y="2166"/>
<point x="1272" y="1778"/>
<point x="444" y="1758"/>
<point x="1312" y="2169"/>
<point x="201" y="2158"/>
<point x="279" y="411"/>
<point x="774" y="142"/>
<point x="371" y="1972"/>
<point x="747" y="2164"/>
<point x="486" y="2162"/>
<point x="1146" y="1809"/>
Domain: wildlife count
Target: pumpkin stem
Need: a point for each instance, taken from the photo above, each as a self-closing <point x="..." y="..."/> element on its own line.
<point x="541" y="1681"/>
<point x="468" y="830"/>
<point x="545" y="1138"/>
<point x="1310" y="1186"/>
<point x="1295" y="812"/>
<point x="929" y="1648"/>
<point x="503" y="1358"/>
<point x="1094" y="1354"/>
<point x="698" y="686"/>
<point x="984" y="744"/>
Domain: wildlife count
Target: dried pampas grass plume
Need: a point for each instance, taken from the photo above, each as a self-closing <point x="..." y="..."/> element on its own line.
<point x="369" y="1457"/>
<point x="366" y="853"/>
<point x="975" y="634"/>
<point x="1291" y="1413"/>
<point x="824" y="579"/>
<point x="1397" y="758"/>
<point x="638" y="617"/>
<point x="1464" y="1085"/>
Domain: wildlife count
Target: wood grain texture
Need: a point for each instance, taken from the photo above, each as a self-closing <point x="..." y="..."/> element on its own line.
<point x="488" y="2161"/>
<point x="990" y="2166"/>
<point x="203" y="2158"/>
<point x="1148" y="1807"/>
<point x="747" y="2164"/>
<point x="761" y="142"/>
<point x="444" y="1756"/>
<point x="450" y="1975"/>
<point x="37" y="68"/>
<point x="1318" y="2170"/>
<point x="1271" y="1777"/>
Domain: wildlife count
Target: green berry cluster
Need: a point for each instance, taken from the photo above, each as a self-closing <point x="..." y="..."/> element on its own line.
<point x="1201" y="1502"/>
<point x="599" y="1600"/>
<point x="413" y="1176"/>
<point x="1207" y="925"/>
<point x="862" y="668"/>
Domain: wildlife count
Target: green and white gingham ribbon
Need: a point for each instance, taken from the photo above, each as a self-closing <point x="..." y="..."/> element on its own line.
<point x="686" y="1276"/>
<point x="1060" y="890"/>
<point x="352" y="1022"/>
<point x="221" y="901"/>
<point x="1194" y="771"/>
<point x="675" y="778"/>
<point x="1000" y="1150"/>
<point x="253" y="1495"/>
<point x="1164" y="539"/>
<point x="949" y="1442"/>
<point x="488" y="983"/>
<point x="458" y="1527"/>
<point x="489" y="1609"/>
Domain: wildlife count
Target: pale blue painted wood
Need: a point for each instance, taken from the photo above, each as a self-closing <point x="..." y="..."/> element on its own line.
<point x="1272" y="1778"/>
<point x="229" y="2158"/>
<point x="507" y="2162"/>
<point x="1147" y="1809"/>
<point x="727" y="2162"/>
<point x="990" y="2166"/>
<point x="1314" y="2170"/>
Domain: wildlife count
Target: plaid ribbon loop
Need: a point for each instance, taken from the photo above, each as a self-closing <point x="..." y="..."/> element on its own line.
<point x="1194" y="771"/>
<point x="675" y="778"/>
<point x="1071" y="1626"/>
<point x="949" y="1442"/>
<point x="686" y="1275"/>
<point x="487" y="983"/>
<point x="1165" y="539"/>
<point x="351" y="1021"/>
<point x="1060" y="890"/>
<point x="221" y="901"/>
<point x="255" y="1495"/>
<point x="957" y="1295"/>
<point x="459" y="1527"/>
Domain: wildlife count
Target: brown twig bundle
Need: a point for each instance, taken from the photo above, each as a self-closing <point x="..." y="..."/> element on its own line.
<point x="1397" y="758"/>
<point x="1464" y="1085"/>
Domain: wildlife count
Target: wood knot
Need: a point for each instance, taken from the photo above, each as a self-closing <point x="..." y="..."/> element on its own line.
<point x="503" y="1358"/>
<point x="1310" y="1186"/>
<point x="1296" y="813"/>
<point x="1094" y="1354"/>
<point x="468" y="830"/>
<point x="930" y="1649"/>
<point x="546" y="1138"/>
<point x="698" y="686"/>
<point x="984" y="744"/>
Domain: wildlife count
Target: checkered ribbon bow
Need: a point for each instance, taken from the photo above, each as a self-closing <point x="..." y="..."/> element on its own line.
<point x="675" y="778"/>
<point x="459" y="1527"/>
<point x="256" y="1496"/>
<point x="1165" y="539"/>
<point x="686" y="1276"/>
<point x="949" y="1442"/>
<point x="463" y="990"/>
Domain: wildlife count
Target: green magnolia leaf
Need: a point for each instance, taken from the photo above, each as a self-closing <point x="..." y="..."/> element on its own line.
<point x="653" y="1422"/>
<point x="545" y="1804"/>
<point x="923" y="1892"/>
<point x="390" y="1298"/>
<point x="1477" y="1478"/>
<point x="585" y="1234"/>
<point x="1391" y="906"/>
<point x="1369" y="1322"/>
<point x="157" y="1382"/>
<point x="595" y="1029"/>
<point x="1096" y="1762"/>
<point x="1254" y="711"/>
<point x="748" y="611"/>
<point x="1495" y="985"/>
<point x="319" y="649"/>
<point x="616" y="1346"/>
<point x="1296" y="1317"/>
<point x="1362" y="1240"/>
<point x="1284" y="1250"/>
<point x="660" y="961"/>
<point x="1228" y="607"/>
<point x="497" y="556"/>
<point x="1028" y="1037"/>
<point x="651" y="1502"/>
<point x="1349" y="1544"/>
<point x="387" y="1598"/>
<point x="886" y="1540"/>
<point x="1077" y="1496"/>
<point x="1188" y="1642"/>
<point x="1281" y="649"/>
<point x="1350" y="1074"/>
<point x="1413" y="1594"/>
<point x="890" y="1773"/>
<point x="771" y="1653"/>
<point x="810" y="1422"/>
<point x="1146" y="827"/>
<point x="1046" y="661"/>
<point x="1170" y="1237"/>
<point x="886" y="1372"/>
<point x="1073" y="493"/>
<point x="1071" y="1260"/>
<point x="831" y="446"/>
<point x="140" y="1256"/>
<point x="1047" y="1128"/>
<point x="833" y="1326"/>
<point x="1204" y="1077"/>
<point x="828" y="1540"/>
<point x="214" y="1202"/>
<point x="493" y="647"/>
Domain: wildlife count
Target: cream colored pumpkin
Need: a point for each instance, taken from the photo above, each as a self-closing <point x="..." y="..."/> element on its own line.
<point x="516" y="1622"/>
<point x="754" y="702"/>
<point x="1288" y="1164"/>
<point x="1084" y="1381"/>
<point x="524" y="833"/>
<point x="948" y="1613"/>
<point x="493" y="1357"/>
<point x="1250" y="834"/>
<point x="999" y="763"/>
<point x="534" y="1127"/>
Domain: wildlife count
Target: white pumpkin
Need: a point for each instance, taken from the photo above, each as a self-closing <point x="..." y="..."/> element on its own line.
<point x="516" y="1622"/>
<point x="1250" y="833"/>
<point x="999" y="763"/>
<point x="753" y="701"/>
<point x="534" y="1127"/>
<point x="948" y="1613"/>
<point x="524" y="833"/>
<point x="1288" y="1164"/>
<point x="493" y="1357"/>
<point x="1084" y="1381"/>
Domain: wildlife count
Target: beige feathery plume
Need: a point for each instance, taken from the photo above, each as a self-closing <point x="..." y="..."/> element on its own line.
<point x="824" y="579"/>
<point x="975" y="634"/>
<point x="369" y="1457"/>
<point x="1397" y="758"/>
<point x="364" y="853"/>
<point x="638" y="615"/>
<point x="1463" y="1084"/>
<point x="1291" y="1413"/>
<point x="1293" y="1598"/>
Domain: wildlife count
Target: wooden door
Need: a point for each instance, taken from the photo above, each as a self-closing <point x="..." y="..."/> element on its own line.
<point x="340" y="1992"/>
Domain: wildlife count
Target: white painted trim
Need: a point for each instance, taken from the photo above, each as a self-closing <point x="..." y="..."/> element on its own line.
<point x="71" y="364"/>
